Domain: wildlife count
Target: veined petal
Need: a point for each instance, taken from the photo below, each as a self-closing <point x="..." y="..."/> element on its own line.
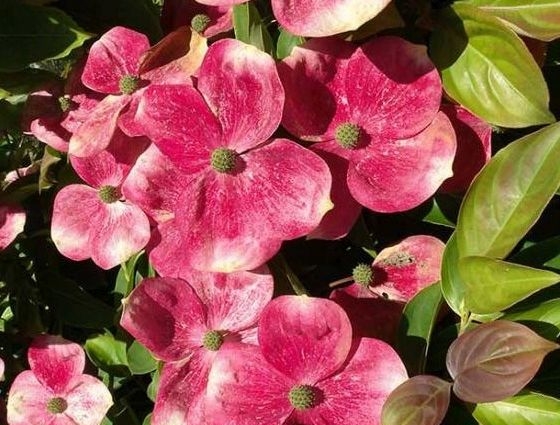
<point x="121" y="231"/>
<point x="55" y="361"/>
<point x="241" y="86"/>
<point x="12" y="222"/>
<point x="393" y="87"/>
<point x="27" y="401"/>
<point x="169" y="250"/>
<point x="88" y="400"/>
<point x="397" y="175"/>
<point x="312" y="18"/>
<point x="166" y="316"/>
<point x="313" y="77"/>
<point x="244" y="389"/>
<point x="116" y="54"/>
<point x="305" y="338"/>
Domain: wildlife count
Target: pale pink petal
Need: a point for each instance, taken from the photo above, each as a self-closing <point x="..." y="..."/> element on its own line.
<point x="166" y="316"/>
<point x="88" y="400"/>
<point x="27" y="401"/>
<point x="121" y="230"/>
<point x="55" y="361"/>
<point x="402" y="270"/>
<point x="12" y="222"/>
<point x="116" y="54"/>
<point x="2" y="368"/>
<point x="242" y="88"/>
<point x="314" y="79"/>
<point x="75" y="207"/>
<point x="234" y="300"/>
<point x="176" y="13"/>
<point x="397" y="175"/>
<point x="96" y="133"/>
<point x="305" y="338"/>
<point x="357" y="393"/>
<point x="49" y="131"/>
<point x="394" y="90"/>
<point x="312" y="18"/>
<point x="19" y="173"/>
<point x="244" y="389"/>
<point x="179" y="122"/>
<point x="474" y="147"/>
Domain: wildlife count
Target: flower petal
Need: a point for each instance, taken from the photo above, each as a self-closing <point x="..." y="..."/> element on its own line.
<point x="88" y="400"/>
<point x="27" y="401"/>
<point x="241" y="85"/>
<point x="55" y="361"/>
<point x="12" y="222"/>
<point x="244" y="389"/>
<point x="397" y="175"/>
<point x="221" y="2"/>
<point x="394" y="90"/>
<point x="176" y="13"/>
<point x="311" y="18"/>
<point x="166" y="316"/>
<point x="116" y="54"/>
<point x="305" y="338"/>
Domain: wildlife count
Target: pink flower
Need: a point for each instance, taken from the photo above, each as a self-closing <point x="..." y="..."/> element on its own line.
<point x="239" y="194"/>
<point x="185" y="325"/>
<point x="92" y="221"/>
<point x="207" y="20"/>
<point x="12" y="221"/>
<point x="312" y="18"/>
<point x="55" y="391"/>
<point x="376" y="108"/>
<point x="306" y="370"/>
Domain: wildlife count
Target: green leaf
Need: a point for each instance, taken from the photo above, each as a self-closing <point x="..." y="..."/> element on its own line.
<point x="140" y="361"/>
<point x="108" y="354"/>
<point x="534" y="18"/>
<point x="485" y="66"/>
<point x="452" y="284"/>
<point x="286" y="42"/>
<point x="22" y="82"/>
<point x="249" y="28"/>
<point x="151" y="392"/>
<point x="527" y="408"/>
<point x="508" y="283"/>
<point x="286" y="281"/>
<point x="543" y="318"/>
<point x="50" y="158"/>
<point x="509" y="195"/>
<point x="545" y="254"/>
<point x="35" y="33"/>
<point x="147" y="420"/>
<point x="415" y="328"/>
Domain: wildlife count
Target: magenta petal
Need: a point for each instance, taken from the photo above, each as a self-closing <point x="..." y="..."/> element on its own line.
<point x="357" y="394"/>
<point x="55" y="361"/>
<point x="393" y="88"/>
<point x="242" y="87"/>
<point x="96" y="133"/>
<point x="116" y="54"/>
<point x="176" y="13"/>
<point x="221" y="2"/>
<point x="397" y="175"/>
<point x="314" y="79"/>
<point x="313" y="18"/>
<point x="243" y="389"/>
<point x="12" y="221"/>
<point x="27" y="401"/>
<point x="88" y="400"/>
<point x="121" y="231"/>
<point x="166" y="316"/>
<point x="305" y="338"/>
<point x="401" y="271"/>
<point x="168" y="250"/>
<point x="234" y="300"/>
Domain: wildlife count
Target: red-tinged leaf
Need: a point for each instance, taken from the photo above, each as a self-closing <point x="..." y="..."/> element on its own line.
<point x="422" y="400"/>
<point x="495" y="360"/>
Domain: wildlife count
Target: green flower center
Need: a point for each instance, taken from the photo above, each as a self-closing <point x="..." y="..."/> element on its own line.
<point x="223" y="160"/>
<point x="363" y="274"/>
<point x="65" y="103"/>
<point x="129" y="84"/>
<point x="347" y="135"/>
<point x="57" y="405"/>
<point x="109" y="194"/>
<point x="212" y="340"/>
<point x="302" y="397"/>
<point x="200" y="22"/>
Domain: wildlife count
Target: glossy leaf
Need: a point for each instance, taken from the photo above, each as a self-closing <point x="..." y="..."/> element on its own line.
<point x="543" y="318"/>
<point x="533" y="18"/>
<point x="422" y="400"/>
<point x="22" y="82"/>
<point x="38" y="32"/>
<point x="495" y="360"/>
<point x="249" y="28"/>
<point x="286" y="42"/>
<point x="452" y="284"/>
<point x="415" y="328"/>
<point x="139" y="359"/>
<point x="108" y="354"/>
<point x="508" y="283"/>
<point x="544" y="254"/>
<point x="509" y="195"/>
<point x="527" y="408"/>
<point x="469" y="48"/>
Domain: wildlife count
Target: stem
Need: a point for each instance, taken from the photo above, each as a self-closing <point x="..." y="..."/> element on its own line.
<point x="341" y="282"/>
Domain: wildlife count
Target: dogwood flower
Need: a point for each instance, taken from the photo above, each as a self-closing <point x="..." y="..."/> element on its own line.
<point x="12" y="221"/>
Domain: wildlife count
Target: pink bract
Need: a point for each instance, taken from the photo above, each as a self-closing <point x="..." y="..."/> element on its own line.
<point x="307" y="370"/>
<point x="241" y="194"/>
<point x="55" y="391"/>
<point x="312" y="18"/>
<point x="376" y="106"/>
<point x="185" y="324"/>
<point x="12" y="221"/>
<point x="176" y="13"/>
